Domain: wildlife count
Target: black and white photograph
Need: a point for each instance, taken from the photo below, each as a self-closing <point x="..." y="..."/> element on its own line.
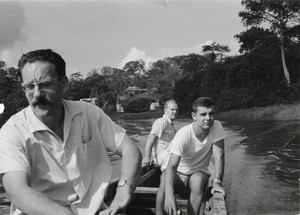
<point x="140" y="107"/>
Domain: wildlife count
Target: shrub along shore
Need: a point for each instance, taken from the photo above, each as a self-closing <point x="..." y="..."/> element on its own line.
<point x="276" y="112"/>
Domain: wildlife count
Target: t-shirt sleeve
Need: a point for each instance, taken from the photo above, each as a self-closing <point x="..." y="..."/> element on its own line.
<point x="219" y="132"/>
<point x="13" y="156"/>
<point x="158" y="127"/>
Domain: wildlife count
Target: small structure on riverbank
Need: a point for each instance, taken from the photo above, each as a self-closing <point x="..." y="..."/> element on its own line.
<point x="133" y="90"/>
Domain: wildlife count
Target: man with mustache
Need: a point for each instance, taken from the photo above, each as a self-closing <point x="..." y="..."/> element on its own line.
<point x="190" y="154"/>
<point x="53" y="154"/>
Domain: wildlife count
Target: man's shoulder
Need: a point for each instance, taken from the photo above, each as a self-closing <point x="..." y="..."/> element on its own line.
<point x="186" y="128"/>
<point x="17" y="119"/>
<point x="160" y="120"/>
<point x="19" y="116"/>
<point x="184" y="131"/>
<point x="217" y="124"/>
<point x="80" y="106"/>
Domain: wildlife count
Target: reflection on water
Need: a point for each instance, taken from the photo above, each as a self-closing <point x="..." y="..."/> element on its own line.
<point x="262" y="168"/>
<point x="262" y="164"/>
<point x="280" y="142"/>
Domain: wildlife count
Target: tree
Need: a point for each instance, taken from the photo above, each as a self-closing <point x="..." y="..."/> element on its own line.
<point x="136" y="67"/>
<point x="76" y="76"/>
<point x="11" y="93"/>
<point x="134" y="72"/>
<point x="2" y="64"/>
<point x="163" y="74"/>
<point x="77" y="89"/>
<point x="283" y="17"/>
<point x="192" y="64"/>
<point x="106" y="70"/>
<point x="215" y="51"/>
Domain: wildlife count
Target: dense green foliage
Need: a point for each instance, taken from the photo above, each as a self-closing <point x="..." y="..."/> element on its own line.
<point x="139" y="103"/>
<point x="283" y="17"/>
<point x="11" y="94"/>
<point x="254" y="78"/>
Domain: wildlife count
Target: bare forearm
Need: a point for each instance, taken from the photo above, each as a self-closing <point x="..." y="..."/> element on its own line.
<point x="169" y="181"/>
<point x="219" y="156"/>
<point x="28" y="200"/>
<point x="219" y="167"/>
<point x="131" y="171"/>
<point x="131" y="164"/>
<point x="149" y="145"/>
<point x="32" y="202"/>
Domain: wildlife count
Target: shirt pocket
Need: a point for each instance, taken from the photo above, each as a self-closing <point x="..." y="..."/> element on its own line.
<point x="89" y="155"/>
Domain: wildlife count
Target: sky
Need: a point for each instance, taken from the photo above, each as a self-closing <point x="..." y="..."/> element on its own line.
<point x="95" y="33"/>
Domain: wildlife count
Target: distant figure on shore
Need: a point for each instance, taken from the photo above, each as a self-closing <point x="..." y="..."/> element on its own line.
<point x="186" y="172"/>
<point x="53" y="154"/>
<point x="161" y="134"/>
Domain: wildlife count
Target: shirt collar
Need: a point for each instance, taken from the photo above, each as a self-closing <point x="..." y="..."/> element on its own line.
<point x="168" y="118"/>
<point x="35" y="124"/>
<point x="71" y="110"/>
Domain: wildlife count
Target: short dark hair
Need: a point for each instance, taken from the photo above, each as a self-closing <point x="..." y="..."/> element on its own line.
<point x="202" y="102"/>
<point x="44" y="55"/>
<point x="171" y="101"/>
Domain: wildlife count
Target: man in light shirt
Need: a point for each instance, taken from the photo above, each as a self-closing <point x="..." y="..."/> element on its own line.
<point x="53" y="154"/>
<point x="190" y="154"/>
<point x="161" y="134"/>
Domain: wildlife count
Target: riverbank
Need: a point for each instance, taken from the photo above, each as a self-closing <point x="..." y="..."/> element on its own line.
<point x="276" y="112"/>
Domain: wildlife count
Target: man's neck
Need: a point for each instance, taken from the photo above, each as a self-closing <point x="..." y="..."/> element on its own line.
<point x="56" y="122"/>
<point x="200" y="133"/>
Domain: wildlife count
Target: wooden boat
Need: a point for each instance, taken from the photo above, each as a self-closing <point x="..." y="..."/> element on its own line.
<point x="143" y="202"/>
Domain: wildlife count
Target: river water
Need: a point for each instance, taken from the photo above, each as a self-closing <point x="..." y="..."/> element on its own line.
<point x="262" y="169"/>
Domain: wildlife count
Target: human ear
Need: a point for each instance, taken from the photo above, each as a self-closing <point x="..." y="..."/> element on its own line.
<point x="65" y="84"/>
<point x="193" y="116"/>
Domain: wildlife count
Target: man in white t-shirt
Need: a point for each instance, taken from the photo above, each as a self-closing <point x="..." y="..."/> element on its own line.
<point x="186" y="172"/>
<point x="161" y="135"/>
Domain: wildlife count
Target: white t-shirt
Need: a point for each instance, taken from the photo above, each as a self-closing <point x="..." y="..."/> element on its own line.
<point x="195" y="155"/>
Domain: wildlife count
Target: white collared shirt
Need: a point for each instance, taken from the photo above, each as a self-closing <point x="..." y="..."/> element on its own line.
<point x="164" y="129"/>
<point x="74" y="171"/>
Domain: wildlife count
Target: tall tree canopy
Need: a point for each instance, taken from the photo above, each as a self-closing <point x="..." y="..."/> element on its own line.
<point x="283" y="17"/>
<point x="215" y="51"/>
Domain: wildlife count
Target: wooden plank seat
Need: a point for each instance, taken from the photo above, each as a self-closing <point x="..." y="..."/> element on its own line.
<point x="145" y="198"/>
<point x="143" y="201"/>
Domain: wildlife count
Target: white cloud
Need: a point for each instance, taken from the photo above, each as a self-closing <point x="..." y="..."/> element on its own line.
<point x="179" y="51"/>
<point x="136" y="54"/>
<point x="6" y="56"/>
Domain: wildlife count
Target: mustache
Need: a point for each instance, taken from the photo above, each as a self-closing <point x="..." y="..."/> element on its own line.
<point x="40" y="101"/>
